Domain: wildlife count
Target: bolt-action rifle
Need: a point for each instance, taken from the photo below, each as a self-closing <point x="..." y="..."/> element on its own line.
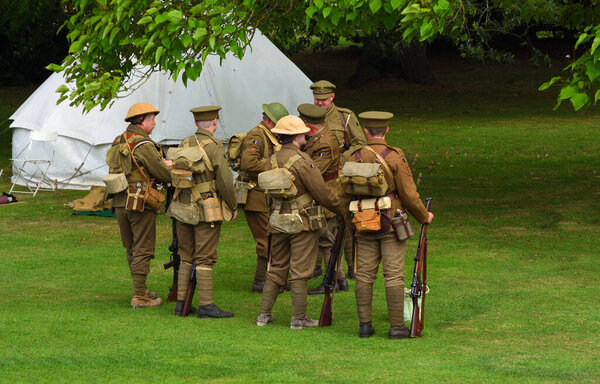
<point x="419" y="284"/>
<point x="174" y="249"/>
<point x="329" y="279"/>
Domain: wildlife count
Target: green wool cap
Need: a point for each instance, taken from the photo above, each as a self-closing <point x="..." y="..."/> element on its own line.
<point x="205" y="113"/>
<point x="311" y="113"/>
<point x="376" y="119"/>
<point x="322" y="89"/>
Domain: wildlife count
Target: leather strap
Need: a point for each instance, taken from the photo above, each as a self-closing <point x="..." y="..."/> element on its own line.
<point x="329" y="176"/>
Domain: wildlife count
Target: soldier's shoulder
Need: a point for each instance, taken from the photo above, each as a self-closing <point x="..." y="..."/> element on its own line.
<point x="346" y="111"/>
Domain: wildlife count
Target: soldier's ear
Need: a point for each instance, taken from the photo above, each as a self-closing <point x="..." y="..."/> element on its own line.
<point x="387" y="129"/>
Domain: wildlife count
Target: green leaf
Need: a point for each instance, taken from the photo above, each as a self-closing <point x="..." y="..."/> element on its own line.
<point x="548" y="84"/>
<point x="426" y="31"/>
<point x="595" y="45"/>
<point x="374" y="5"/>
<point x="211" y="41"/>
<point x="413" y="8"/>
<point x="441" y="6"/>
<point x="174" y="16"/>
<point x="579" y="100"/>
<point x="144" y="20"/>
<point x="54" y="68"/>
<point x="62" y="89"/>
<point x="197" y="9"/>
<point x="582" y="39"/>
<point x="186" y="40"/>
<point x="310" y="11"/>
<point x="113" y="34"/>
<point x="319" y="3"/>
<point x="158" y="53"/>
<point x="597" y="96"/>
<point x="567" y="92"/>
<point x="397" y="3"/>
<point x="592" y="70"/>
<point x="199" y="34"/>
<point x="327" y="11"/>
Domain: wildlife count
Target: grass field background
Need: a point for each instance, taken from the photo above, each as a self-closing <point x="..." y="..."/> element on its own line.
<point x="513" y="260"/>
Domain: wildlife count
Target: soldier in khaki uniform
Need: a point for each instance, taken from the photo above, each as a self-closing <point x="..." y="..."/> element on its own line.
<point x="296" y="252"/>
<point x="258" y="145"/>
<point x="198" y="243"/>
<point x="386" y="249"/>
<point x="341" y="121"/>
<point x="345" y="125"/>
<point x="138" y="229"/>
<point x="322" y="147"/>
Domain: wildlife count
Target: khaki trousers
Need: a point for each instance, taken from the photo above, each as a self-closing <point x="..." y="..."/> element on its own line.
<point x="388" y="251"/>
<point x="258" y="222"/>
<point x="198" y="243"/>
<point x="294" y="253"/>
<point x="138" y="234"/>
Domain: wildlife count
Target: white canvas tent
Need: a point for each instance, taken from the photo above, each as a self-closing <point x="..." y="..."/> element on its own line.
<point x="264" y="75"/>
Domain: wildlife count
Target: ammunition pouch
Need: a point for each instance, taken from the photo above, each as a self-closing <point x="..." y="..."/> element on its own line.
<point x="185" y="213"/>
<point x="115" y="182"/>
<point x="241" y="190"/>
<point x="316" y="218"/>
<point x="289" y="223"/>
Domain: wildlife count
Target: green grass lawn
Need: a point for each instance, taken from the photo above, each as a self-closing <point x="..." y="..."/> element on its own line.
<point x="513" y="261"/>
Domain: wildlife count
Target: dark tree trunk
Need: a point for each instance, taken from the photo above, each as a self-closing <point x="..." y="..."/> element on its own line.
<point x="380" y="59"/>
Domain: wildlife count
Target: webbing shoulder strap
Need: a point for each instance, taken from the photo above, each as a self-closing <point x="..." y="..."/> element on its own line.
<point x="344" y="125"/>
<point x="381" y="158"/>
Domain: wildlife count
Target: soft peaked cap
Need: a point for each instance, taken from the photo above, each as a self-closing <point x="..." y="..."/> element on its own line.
<point x="209" y="112"/>
<point x="376" y="119"/>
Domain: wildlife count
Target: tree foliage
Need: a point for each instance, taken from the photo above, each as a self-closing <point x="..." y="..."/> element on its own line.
<point x="110" y="40"/>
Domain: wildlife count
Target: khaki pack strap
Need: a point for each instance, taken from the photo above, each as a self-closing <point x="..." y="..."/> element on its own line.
<point x="274" y="162"/>
<point x="344" y="125"/>
<point x="288" y="164"/>
<point x="207" y="186"/>
<point x="272" y="139"/>
<point x="203" y="144"/>
<point x="135" y="161"/>
<point x="304" y="200"/>
<point x="381" y="160"/>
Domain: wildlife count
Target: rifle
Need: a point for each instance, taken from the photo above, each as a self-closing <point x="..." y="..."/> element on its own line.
<point x="190" y="293"/>
<point x="174" y="260"/>
<point x="330" y="274"/>
<point x="418" y="286"/>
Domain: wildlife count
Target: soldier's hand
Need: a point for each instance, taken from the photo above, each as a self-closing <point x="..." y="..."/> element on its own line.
<point x="234" y="215"/>
<point x="168" y="163"/>
<point x="430" y="218"/>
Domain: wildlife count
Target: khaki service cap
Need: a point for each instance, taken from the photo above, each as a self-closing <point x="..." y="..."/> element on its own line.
<point x="275" y="111"/>
<point x="311" y="113"/>
<point x="209" y="112"/>
<point x="138" y="109"/>
<point x="376" y="119"/>
<point x="322" y="89"/>
<point x="290" y="125"/>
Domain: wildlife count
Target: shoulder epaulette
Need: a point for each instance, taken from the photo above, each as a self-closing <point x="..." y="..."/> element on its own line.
<point x="345" y="110"/>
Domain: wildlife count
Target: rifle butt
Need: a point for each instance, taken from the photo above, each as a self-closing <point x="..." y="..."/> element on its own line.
<point x="326" y="313"/>
<point x="172" y="293"/>
<point x="415" y="321"/>
<point x="188" y="298"/>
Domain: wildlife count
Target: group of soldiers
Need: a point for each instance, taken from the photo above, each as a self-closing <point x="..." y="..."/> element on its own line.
<point x="313" y="147"/>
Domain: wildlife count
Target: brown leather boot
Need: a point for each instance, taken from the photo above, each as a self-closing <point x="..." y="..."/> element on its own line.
<point x="211" y="310"/>
<point x="303" y="322"/>
<point x="399" y="332"/>
<point x="145" y="302"/>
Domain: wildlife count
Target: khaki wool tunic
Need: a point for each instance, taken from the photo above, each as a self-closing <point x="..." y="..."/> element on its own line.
<point x="198" y="243"/>
<point x="324" y="151"/>
<point x="297" y="252"/>
<point x="138" y="229"/>
<point x="253" y="160"/>
<point x="355" y="134"/>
